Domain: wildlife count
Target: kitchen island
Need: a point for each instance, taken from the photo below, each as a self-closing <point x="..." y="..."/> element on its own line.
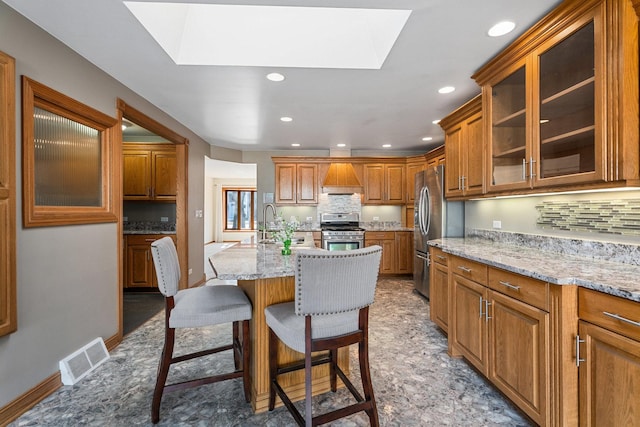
<point x="267" y="277"/>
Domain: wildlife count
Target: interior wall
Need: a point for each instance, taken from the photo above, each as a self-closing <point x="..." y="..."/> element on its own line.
<point x="67" y="277"/>
<point x="520" y="215"/>
<point x="214" y="218"/>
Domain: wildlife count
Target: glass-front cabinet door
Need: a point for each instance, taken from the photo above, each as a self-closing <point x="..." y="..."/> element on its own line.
<point x="568" y="142"/>
<point x="508" y="150"/>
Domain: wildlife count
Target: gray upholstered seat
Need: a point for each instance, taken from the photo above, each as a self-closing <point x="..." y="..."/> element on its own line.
<point x="192" y="308"/>
<point x="333" y="291"/>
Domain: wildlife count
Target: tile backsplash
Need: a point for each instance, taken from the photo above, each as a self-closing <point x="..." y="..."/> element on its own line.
<point x="621" y="217"/>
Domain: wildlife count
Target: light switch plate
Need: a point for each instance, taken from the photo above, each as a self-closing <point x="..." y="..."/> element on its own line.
<point x="497" y="224"/>
<point x="164" y="219"/>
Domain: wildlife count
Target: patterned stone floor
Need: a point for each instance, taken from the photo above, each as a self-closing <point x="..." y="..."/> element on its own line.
<point x="416" y="383"/>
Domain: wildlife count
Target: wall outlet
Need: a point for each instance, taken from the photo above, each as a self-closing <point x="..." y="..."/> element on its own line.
<point x="190" y="271"/>
<point x="376" y="218"/>
<point x="309" y="218"/>
<point x="497" y="224"/>
<point x="164" y="219"/>
<point x="125" y="218"/>
<point x="198" y="213"/>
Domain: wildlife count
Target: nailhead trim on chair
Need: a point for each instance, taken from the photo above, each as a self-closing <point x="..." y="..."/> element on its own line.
<point x="301" y="256"/>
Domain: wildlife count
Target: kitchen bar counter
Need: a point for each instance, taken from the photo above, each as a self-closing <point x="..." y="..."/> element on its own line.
<point x="267" y="277"/>
<point x="613" y="278"/>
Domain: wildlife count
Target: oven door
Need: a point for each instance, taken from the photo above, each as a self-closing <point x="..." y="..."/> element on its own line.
<point x="341" y="245"/>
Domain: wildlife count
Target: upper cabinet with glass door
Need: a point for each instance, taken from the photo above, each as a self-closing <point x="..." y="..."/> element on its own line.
<point x="562" y="102"/>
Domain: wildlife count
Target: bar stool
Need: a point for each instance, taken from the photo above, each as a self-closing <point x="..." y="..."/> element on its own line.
<point x="193" y="308"/>
<point x="333" y="291"/>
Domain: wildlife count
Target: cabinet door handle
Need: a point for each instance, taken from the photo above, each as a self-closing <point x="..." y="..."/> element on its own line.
<point x="524" y="169"/>
<point x="531" y="172"/>
<point x="464" y="178"/>
<point x="622" y="319"/>
<point x="578" y="342"/>
<point x="481" y="313"/>
<point x="465" y="269"/>
<point x="459" y="183"/>
<point x="510" y="286"/>
<point x="441" y="257"/>
<point x="486" y="310"/>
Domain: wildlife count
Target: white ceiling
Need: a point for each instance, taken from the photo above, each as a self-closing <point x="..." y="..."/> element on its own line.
<point x="442" y="44"/>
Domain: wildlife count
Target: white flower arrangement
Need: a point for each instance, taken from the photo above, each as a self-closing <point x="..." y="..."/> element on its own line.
<point x="286" y="230"/>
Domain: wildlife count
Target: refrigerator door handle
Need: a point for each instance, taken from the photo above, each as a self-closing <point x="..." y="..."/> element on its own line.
<point x="427" y="202"/>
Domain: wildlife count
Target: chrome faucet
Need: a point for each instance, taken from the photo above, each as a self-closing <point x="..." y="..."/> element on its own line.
<point x="264" y="218"/>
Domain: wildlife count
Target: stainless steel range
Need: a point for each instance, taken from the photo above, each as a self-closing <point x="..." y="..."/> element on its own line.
<point x="341" y="231"/>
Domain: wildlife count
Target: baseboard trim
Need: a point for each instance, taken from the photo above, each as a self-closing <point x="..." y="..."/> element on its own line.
<point x="28" y="400"/>
<point x="14" y="409"/>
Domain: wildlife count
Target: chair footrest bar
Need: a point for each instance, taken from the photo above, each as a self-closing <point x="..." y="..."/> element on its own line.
<point x="202" y="381"/>
<point x="190" y="356"/>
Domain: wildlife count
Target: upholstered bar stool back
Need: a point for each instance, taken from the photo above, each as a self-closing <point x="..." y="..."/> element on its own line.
<point x="333" y="291"/>
<point x="192" y="308"/>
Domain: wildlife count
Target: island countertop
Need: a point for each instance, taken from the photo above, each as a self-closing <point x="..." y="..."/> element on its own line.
<point x="251" y="261"/>
<point x="613" y="278"/>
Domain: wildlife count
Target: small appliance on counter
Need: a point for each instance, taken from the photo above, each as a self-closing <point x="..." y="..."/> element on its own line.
<point x="434" y="218"/>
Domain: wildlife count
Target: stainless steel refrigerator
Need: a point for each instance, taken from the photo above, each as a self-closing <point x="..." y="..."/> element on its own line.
<point x="434" y="218"/>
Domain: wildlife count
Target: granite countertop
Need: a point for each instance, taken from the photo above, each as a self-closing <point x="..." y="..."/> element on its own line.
<point x="613" y="278"/>
<point x="250" y="261"/>
<point x="149" y="232"/>
<point x="398" y="228"/>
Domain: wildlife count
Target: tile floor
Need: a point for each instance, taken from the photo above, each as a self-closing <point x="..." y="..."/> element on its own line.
<point x="416" y="383"/>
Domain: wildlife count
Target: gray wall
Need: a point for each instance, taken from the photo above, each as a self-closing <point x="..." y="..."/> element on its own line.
<point x="520" y="215"/>
<point x="67" y="284"/>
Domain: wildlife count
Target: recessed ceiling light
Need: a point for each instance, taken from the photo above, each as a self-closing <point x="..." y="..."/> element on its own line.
<point x="435" y="122"/>
<point x="295" y="145"/>
<point x="427" y="138"/>
<point x="341" y="145"/>
<point x="275" y="77"/>
<point x="386" y="146"/>
<point x="446" y="89"/>
<point x="501" y="28"/>
<point x="286" y="119"/>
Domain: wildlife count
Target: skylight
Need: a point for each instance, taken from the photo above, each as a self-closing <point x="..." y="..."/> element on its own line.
<point x="275" y="36"/>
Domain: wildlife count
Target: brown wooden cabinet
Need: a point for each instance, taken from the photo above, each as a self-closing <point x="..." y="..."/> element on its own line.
<point x="297" y="183"/>
<point x="139" y="269"/>
<point x="560" y="104"/>
<point x="387" y="241"/>
<point x="439" y="290"/>
<point x="464" y="150"/>
<point x="609" y="353"/>
<point x="397" y="250"/>
<point x="500" y="324"/>
<point x="415" y="164"/>
<point x="384" y="183"/>
<point x="149" y="172"/>
<point x="404" y="252"/>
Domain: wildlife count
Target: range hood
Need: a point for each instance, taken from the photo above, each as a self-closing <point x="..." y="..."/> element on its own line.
<point x="341" y="178"/>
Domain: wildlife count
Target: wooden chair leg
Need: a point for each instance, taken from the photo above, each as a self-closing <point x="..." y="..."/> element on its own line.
<point x="367" y="385"/>
<point x="333" y="354"/>
<point x="235" y="340"/>
<point x="308" y="415"/>
<point x="163" y="372"/>
<point x="246" y="357"/>
<point x="273" y="367"/>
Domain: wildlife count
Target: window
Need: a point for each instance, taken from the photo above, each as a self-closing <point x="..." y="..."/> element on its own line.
<point x="240" y="206"/>
<point x="67" y="156"/>
<point x="8" y="318"/>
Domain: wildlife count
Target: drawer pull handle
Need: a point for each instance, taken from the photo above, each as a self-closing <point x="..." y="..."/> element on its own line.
<point x="622" y="319"/>
<point x="510" y="286"/>
<point x="465" y="269"/>
<point x="441" y="257"/>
